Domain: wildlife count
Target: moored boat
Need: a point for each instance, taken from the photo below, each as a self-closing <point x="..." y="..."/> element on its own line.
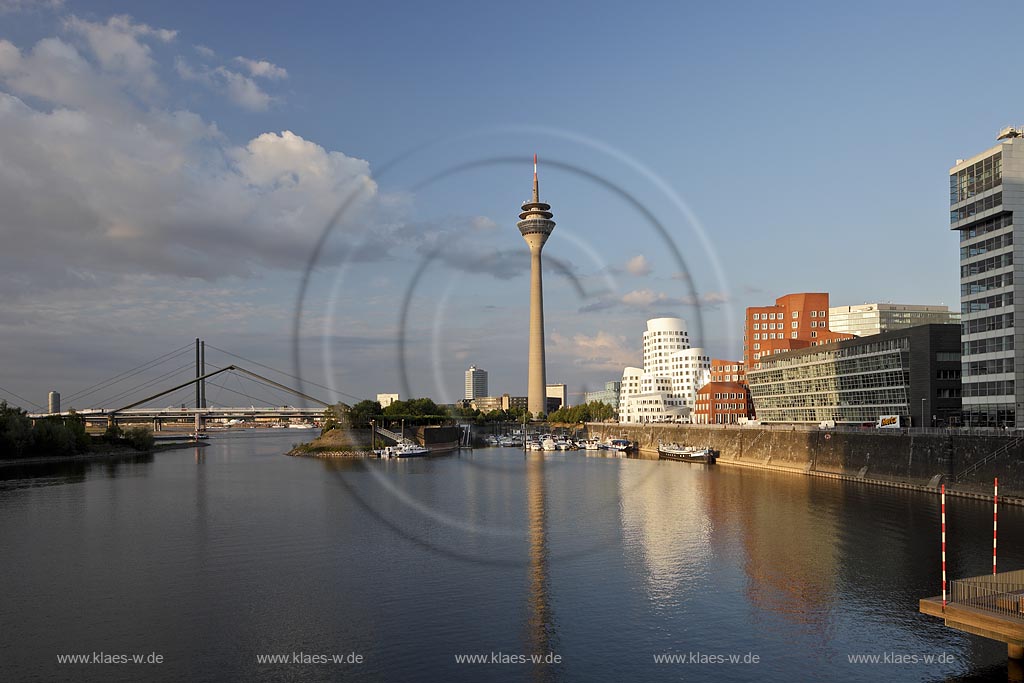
<point x="674" y="451"/>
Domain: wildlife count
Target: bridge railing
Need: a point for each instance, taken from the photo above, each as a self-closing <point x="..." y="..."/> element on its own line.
<point x="1002" y="593"/>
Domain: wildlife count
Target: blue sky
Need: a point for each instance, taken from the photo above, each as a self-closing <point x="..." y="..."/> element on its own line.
<point x="154" y="196"/>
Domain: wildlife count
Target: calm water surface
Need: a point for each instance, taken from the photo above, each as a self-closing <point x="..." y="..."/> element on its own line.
<point x="213" y="557"/>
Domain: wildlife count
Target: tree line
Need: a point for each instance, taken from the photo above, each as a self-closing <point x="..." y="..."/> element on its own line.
<point x="425" y="411"/>
<point x="23" y="437"/>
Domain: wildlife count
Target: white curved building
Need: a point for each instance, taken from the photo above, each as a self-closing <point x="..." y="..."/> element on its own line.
<point x="666" y="387"/>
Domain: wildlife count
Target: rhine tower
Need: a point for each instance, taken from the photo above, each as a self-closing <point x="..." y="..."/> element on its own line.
<point x="535" y="224"/>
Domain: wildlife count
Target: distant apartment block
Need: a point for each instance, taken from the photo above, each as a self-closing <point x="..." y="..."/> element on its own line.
<point x="913" y="373"/>
<point x="476" y="382"/>
<point x="867" y="319"/>
<point x="608" y="395"/>
<point x="665" y="389"/>
<point x="986" y="201"/>
<point x="386" y="399"/>
<point x="486" y="404"/>
<point x="796" y="321"/>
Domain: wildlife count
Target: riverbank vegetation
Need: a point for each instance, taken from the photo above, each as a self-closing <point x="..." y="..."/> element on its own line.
<point x="25" y="437"/>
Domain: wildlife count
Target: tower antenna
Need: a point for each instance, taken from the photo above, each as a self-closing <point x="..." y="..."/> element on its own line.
<point x="536" y="185"/>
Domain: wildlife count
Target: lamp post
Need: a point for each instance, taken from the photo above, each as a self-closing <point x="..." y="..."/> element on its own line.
<point x="373" y="432"/>
<point x="923" y="402"/>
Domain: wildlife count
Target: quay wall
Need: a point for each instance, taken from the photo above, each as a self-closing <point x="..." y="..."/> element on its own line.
<point x="899" y="458"/>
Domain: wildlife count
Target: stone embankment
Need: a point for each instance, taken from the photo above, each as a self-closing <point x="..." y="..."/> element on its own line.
<point x="900" y="459"/>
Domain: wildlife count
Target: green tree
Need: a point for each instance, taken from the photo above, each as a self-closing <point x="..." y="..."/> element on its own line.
<point x="15" y="431"/>
<point x="360" y="414"/>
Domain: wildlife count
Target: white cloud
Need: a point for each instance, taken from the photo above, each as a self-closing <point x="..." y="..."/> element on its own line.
<point x="262" y="68"/>
<point x="94" y="185"/>
<point x="602" y="351"/>
<point x="638" y="265"/>
<point x="204" y="51"/>
<point x="240" y="89"/>
<point x="117" y="45"/>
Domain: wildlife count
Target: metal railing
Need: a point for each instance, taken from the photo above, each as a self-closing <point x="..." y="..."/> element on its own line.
<point x="1002" y="450"/>
<point x="1002" y="593"/>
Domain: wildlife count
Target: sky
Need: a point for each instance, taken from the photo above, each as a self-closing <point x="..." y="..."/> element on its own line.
<point x="332" y="190"/>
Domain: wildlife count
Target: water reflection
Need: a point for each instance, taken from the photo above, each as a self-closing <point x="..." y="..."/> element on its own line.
<point x="540" y="621"/>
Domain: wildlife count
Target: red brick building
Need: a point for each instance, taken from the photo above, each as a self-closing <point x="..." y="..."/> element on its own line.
<point x="728" y="371"/>
<point x="796" y="321"/>
<point x="722" y="403"/>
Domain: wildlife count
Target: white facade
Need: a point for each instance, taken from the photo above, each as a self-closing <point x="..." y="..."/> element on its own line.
<point x="476" y="383"/>
<point x="559" y="391"/>
<point x="665" y="389"/>
<point x="386" y="399"/>
<point x="867" y="319"/>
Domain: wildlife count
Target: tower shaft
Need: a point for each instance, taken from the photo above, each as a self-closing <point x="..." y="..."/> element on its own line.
<point x="535" y="225"/>
<point x="537" y="378"/>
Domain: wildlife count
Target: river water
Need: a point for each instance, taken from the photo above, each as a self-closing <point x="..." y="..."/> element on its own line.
<point x="213" y="558"/>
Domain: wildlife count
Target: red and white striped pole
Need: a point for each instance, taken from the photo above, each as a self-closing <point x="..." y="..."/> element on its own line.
<point x="943" y="546"/>
<point x="995" y="522"/>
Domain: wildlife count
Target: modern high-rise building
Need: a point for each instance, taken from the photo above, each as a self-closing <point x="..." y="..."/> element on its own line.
<point x="53" y="401"/>
<point x="476" y="382"/>
<point x="535" y="225"/>
<point x="665" y="389"/>
<point x="796" y="321"/>
<point x="867" y="319"/>
<point x="986" y="195"/>
<point x="608" y="395"/>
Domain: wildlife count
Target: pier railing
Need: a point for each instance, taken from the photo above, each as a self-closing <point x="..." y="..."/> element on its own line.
<point x="1002" y="593"/>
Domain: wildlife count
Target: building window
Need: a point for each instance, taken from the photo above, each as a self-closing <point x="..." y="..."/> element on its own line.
<point x="794" y="325"/>
<point x="814" y="314"/>
<point x="814" y="334"/>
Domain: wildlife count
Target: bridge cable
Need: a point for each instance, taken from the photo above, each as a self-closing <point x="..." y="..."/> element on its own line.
<point x="129" y="373"/>
<point x="22" y="398"/>
<point x="306" y="381"/>
<point x="166" y="375"/>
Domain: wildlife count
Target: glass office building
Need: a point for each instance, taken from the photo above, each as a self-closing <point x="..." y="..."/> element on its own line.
<point x="913" y="373"/>
<point x="985" y="194"/>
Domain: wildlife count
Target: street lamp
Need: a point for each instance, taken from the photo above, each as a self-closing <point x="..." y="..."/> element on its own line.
<point x="923" y="401"/>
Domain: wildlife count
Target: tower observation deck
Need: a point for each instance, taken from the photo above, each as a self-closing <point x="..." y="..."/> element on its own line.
<point x="535" y="225"/>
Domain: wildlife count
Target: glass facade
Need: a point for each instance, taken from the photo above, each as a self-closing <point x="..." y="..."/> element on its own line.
<point x="986" y="266"/>
<point x="856" y="384"/>
<point x="976" y="178"/>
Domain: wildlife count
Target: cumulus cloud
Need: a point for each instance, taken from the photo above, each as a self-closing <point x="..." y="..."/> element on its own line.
<point x="94" y="183"/>
<point x="118" y="45"/>
<point x="602" y="351"/>
<point x="638" y="265"/>
<point x="261" y="68"/>
<point x="240" y="89"/>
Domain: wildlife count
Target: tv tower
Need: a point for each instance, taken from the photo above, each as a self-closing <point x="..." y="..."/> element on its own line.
<point x="535" y="224"/>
